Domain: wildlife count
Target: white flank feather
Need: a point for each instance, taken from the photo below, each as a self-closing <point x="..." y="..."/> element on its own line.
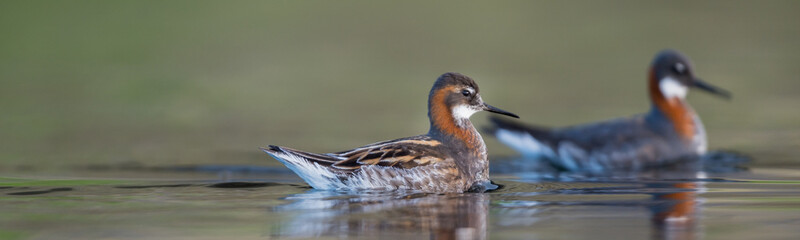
<point x="367" y="177"/>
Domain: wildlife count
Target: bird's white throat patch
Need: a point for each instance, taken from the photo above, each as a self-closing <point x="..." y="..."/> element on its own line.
<point x="463" y="112"/>
<point x="671" y="88"/>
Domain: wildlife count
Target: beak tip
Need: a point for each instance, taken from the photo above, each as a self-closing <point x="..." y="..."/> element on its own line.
<point x="490" y="108"/>
<point x="712" y="89"/>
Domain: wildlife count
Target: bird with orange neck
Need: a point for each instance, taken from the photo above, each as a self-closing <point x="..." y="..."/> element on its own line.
<point x="671" y="131"/>
<point x="451" y="157"/>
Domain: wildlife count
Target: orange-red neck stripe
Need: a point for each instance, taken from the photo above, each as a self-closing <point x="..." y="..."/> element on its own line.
<point x="675" y="109"/>
<point x="442" y="118"/>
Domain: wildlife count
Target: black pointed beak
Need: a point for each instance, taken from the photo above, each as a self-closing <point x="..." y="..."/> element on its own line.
<point x="698" y="83"/>
<point x="489" y="108"/>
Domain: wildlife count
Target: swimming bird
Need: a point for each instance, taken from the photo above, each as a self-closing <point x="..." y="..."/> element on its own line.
<point x="451" y="157"/>
<point x="669" y="132"/>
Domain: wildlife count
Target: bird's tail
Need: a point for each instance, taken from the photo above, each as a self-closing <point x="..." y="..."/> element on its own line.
<point x="530" y="141"/>
<point x="311" y="167"/>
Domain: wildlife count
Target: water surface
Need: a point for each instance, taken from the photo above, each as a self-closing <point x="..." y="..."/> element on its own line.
<point x="206" y="202"/>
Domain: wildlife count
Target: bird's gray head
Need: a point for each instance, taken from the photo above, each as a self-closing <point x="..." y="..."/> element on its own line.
<point x="672" y="74"/>
<point x="457" y="95"/>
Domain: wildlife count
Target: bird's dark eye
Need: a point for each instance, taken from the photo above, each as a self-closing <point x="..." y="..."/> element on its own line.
<point x="466" y="93"/>
<point x="679" y="68"/>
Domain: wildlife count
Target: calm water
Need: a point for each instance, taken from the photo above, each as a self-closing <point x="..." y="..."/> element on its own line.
<point x="208" y="202"/>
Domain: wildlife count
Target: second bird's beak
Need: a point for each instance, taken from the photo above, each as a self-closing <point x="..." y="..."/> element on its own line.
<point x="489" y="108"/>
<point x="698" y="83"/>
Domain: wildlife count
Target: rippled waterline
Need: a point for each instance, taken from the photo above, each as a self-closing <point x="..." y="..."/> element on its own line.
<point x="760" y="203"/>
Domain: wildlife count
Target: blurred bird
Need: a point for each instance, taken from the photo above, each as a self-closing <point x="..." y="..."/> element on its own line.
<point x="670" y="132"/>
<point x="451" y="157"/>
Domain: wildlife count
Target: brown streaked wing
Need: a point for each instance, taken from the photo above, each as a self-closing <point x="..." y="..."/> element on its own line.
<point x="401" y="153"/>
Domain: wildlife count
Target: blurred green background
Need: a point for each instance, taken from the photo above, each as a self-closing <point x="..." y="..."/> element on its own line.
<point x="161" y="83"/>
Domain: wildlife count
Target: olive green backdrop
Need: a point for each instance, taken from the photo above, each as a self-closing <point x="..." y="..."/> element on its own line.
<point x="161" y="83"/>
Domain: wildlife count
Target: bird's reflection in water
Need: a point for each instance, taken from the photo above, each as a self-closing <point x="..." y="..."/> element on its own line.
<point x="384" y="215"/>
<point x="674" y="205"/>
<point x="675" y="211"/>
